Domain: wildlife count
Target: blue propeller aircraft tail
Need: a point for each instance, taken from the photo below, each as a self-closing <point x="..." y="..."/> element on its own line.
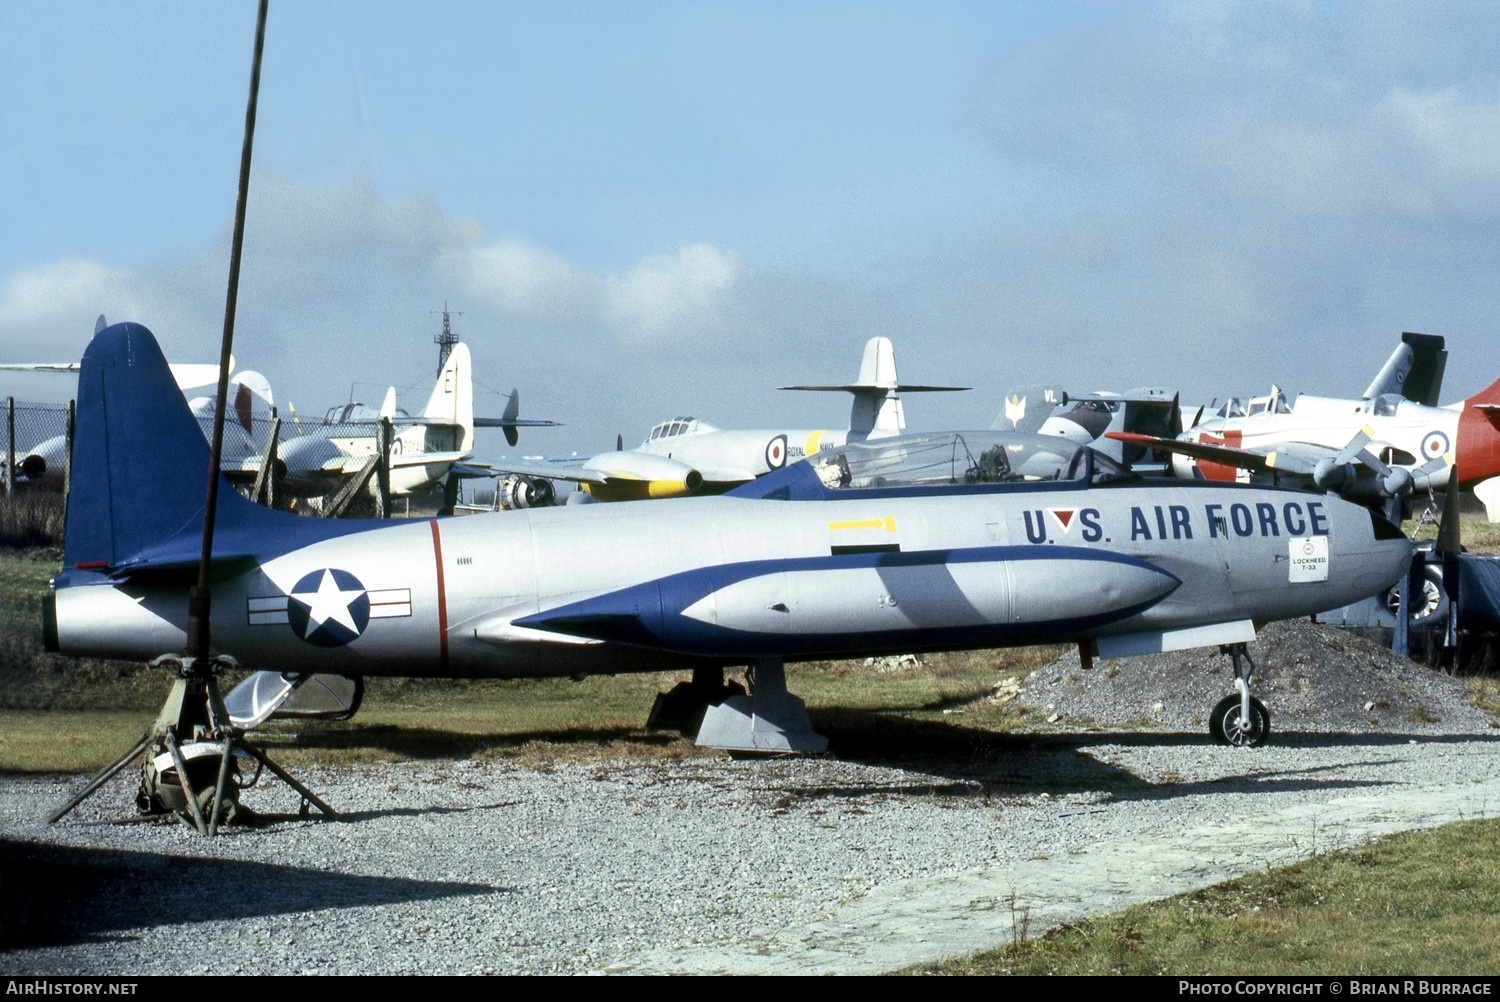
<point x="140" y="470"/>
<point x="140" y="464"/>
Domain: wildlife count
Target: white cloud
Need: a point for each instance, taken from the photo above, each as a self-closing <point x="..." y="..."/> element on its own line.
<point x="1455" y="133"/>
<point x="671" y="295"/>
<point x="52" y="306"/>
<point x="524" y="279"/>
<point x="339" y="285"/>
<point x="665" y="298"/>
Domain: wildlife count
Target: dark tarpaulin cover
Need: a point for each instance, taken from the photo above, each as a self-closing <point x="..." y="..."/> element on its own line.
<point x="1479" y="593"/>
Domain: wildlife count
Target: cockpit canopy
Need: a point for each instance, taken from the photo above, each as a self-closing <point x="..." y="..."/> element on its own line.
<point x="355" y="413"/>
<point x="965" y="458"/>
<point x="679" y="426"/>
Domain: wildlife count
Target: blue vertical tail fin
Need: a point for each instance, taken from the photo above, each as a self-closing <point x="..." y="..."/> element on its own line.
<point x="140" y="463"/>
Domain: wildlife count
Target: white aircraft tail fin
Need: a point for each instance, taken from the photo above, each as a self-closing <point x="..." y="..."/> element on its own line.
<point x="877" y="366"/>
<point x="877" y="406"/>
<point x="252" y="398"/>
<point x="388" y="405"/>
<point x="452" y="399"/>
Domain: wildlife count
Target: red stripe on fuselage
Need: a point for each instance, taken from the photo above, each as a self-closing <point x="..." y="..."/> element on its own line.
<point x="442" y="597"/>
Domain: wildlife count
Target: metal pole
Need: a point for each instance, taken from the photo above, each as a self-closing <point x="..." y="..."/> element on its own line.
<point x="384" y="435"/>
<point x="10" y="446"/>
<point x="199" y="598"/>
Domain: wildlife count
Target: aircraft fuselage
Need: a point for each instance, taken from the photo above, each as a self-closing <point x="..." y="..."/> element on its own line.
<point x="727" y="579"/>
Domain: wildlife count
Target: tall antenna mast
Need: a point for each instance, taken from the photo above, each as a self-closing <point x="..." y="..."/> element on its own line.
<point x="446" y="340"/>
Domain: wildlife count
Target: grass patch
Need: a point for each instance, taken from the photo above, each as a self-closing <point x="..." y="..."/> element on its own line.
<point x="926" y="710"/>
<point x="31" y="519"/>
<point x="1478" y="533"/>
<point x="1415" y="903"/>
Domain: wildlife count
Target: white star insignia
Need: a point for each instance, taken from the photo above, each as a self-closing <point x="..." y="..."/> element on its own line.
<point x="328" y="602"/>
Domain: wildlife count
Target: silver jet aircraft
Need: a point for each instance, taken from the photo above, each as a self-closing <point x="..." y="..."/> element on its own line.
<point x="686" y="456"/>
<point x="869" y="549"/>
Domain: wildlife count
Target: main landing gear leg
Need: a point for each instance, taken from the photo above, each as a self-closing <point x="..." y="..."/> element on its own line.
<point x="193" y="755"/>
<point x="1240" y="720"/>
<point x="769" y="721"/>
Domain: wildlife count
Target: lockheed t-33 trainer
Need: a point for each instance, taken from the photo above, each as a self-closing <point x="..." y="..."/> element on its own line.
<point x="946" y="542"/>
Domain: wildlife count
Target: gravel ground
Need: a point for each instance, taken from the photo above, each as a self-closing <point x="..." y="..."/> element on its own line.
<point x="782" y="866"/>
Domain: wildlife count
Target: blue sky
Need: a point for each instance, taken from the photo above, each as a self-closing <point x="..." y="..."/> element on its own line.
<point x="645" y="209"/>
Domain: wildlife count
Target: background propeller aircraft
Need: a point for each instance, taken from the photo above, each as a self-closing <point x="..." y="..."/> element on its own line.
<point x="1383" y="445"/>
<point x="870" y="549"/>
<point x="686" y="456"/>
<point x="424" y="448"/>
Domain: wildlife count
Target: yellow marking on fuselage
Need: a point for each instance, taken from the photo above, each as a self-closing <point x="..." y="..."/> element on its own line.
<point x="888" y="524"/>
<point x="813" y="442"/>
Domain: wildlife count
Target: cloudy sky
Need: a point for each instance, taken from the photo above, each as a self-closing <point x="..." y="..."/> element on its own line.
<point x="643" y="209"/>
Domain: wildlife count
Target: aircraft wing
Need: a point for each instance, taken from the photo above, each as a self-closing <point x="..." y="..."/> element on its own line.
<point x="187" y="374"/>
<point x="1298" y="458"/>
<point x="726" y="474"/>
<point x="424" y="458"/>
<point x="350" y="465"/>
<point x="1226" y="454"/>
<point x="547" y="471"/>
<point x="479" y="422"/>
<point x="40" y="367"/>
<point x="622" y="475"/>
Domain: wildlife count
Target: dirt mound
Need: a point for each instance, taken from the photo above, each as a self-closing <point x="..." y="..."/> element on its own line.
<point x="1310" y="677"/>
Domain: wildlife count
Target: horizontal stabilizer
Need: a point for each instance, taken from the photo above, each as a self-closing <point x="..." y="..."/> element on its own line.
<point x="494" y="422"/>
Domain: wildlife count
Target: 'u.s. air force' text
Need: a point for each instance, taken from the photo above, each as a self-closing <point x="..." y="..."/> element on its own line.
<point x="1178" y="521"/>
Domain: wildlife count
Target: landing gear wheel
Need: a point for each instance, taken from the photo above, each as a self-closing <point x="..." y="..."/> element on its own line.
<point x="1225" y="724"/>
<point x="1424" y="606"/>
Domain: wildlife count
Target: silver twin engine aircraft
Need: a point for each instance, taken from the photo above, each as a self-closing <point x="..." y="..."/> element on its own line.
<point x="917" y="545"/>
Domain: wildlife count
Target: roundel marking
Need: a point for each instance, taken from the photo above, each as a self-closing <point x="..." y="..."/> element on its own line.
<point x="776" y="452"/>
<point x="1434" y="444"/>
<point x="328" y="608"/>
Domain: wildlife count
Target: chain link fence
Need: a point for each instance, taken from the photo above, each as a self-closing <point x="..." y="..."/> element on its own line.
<point x="35" y="474"/>
<point x="35" y="461"/>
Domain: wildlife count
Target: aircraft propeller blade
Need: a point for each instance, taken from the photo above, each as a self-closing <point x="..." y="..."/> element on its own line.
<point x="1448" y="540"/>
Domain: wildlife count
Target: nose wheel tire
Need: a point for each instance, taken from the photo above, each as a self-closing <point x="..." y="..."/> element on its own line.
<point x="1228" y="727"/>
